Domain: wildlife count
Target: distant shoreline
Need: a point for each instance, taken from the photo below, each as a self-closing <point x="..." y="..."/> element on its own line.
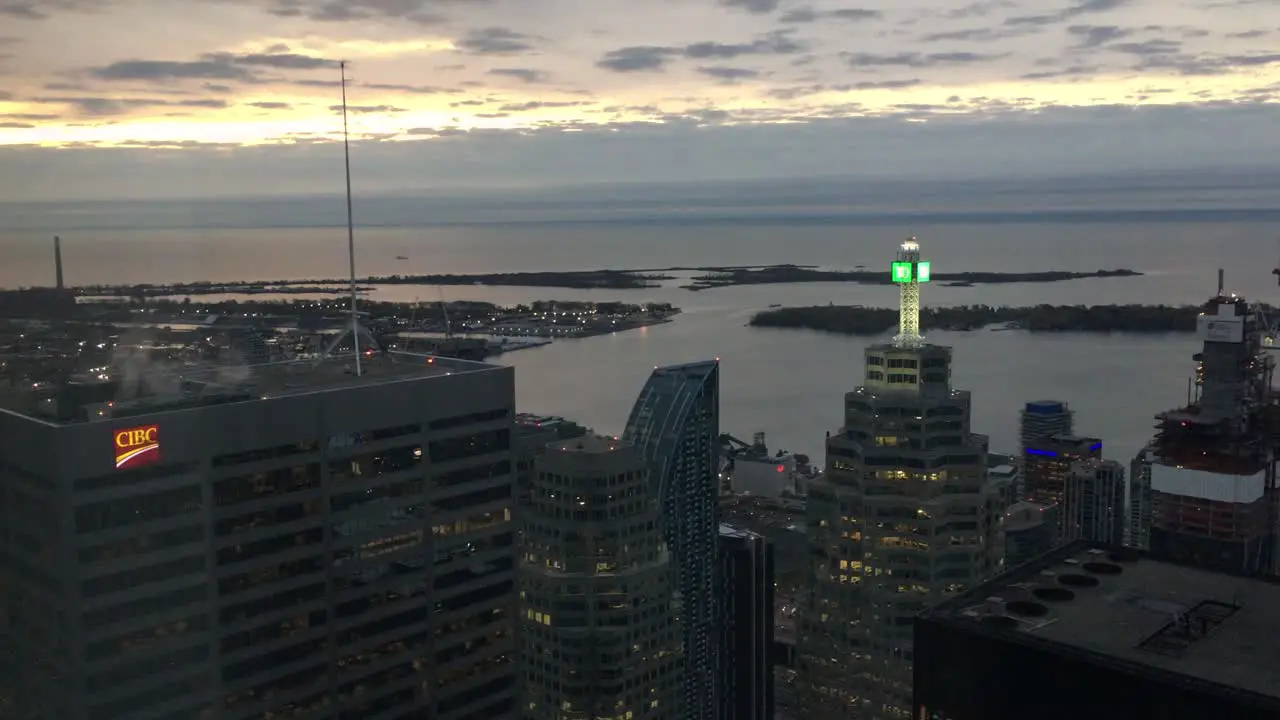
<point x="868" y="321"/>
<point x="908" y="220"/>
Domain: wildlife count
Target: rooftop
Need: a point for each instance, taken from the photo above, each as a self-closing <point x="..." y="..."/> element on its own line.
<point x="590" y="444"/>
<point x="1135" y="611"/>
<point x="153" y="388"/>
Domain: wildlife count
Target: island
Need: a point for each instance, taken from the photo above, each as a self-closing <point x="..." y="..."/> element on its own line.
<point x="856" y="320"/>
<point x="707" y="277"/>
<point x="780" y="274"/>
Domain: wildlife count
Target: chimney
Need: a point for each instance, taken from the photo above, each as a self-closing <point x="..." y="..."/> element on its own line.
<point x="57" y="261"/>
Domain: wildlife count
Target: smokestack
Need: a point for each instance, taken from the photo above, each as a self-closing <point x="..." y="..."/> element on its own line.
<point x="57" y="260"/>
<point x="1221" y="280"/>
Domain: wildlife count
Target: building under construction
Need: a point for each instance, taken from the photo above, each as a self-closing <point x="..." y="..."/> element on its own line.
<point x="1211" y="467"/>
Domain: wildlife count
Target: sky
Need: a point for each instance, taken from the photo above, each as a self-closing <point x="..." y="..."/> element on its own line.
<point x="104" y="99"/>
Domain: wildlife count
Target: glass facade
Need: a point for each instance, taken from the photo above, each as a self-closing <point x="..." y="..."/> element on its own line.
<point x="675" y="424"/>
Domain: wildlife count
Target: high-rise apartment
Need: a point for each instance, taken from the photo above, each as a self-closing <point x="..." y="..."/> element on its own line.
<point x="1047" y="466"/>
<point x="1105" y="634"/>
<point x="1094" y="503"/>
<point x="675" y="424"/>
<point x="1211" y="466"/>
<point x="288" y="540"/>
<point x="1138" y="529"/>
<point x="1039" y="421"/>
<point x="903" y="517"/>
<point x="598" y="615"/>
<point x="746" y="625"/>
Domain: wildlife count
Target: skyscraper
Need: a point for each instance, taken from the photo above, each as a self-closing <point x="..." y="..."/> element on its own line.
<point x="675" y="424"/>
<point x="1211" y="469"/>
<point x="903" y="517"/>
<point x="598" y="623"/>
<point x="746" y="626"/>
<point x="1047" y="469"/>
<point x="284" y="541"/>
<point x="1039" y="421"/>
<point x="1094" y="502"/>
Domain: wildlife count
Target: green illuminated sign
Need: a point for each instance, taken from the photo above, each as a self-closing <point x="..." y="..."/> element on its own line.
<point x="901" y="272"/>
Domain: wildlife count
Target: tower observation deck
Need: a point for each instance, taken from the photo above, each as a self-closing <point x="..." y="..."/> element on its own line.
<point x="908" y="271"/>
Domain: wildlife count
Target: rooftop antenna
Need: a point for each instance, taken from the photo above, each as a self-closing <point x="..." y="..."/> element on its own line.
<point x="354" y="328"/>
<point x="908" y="271"/>
<point x="351" y="227"/>
<point x="57" y="261"/>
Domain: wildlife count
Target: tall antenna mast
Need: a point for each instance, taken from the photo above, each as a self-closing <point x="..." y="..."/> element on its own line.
<point x="908" y="271"/>
<point x="351" y="227"/>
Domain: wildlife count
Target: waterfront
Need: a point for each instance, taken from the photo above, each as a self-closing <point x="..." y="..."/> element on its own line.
<point x="789" y="384"/>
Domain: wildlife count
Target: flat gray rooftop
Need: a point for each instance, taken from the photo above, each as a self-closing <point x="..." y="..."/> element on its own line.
<point x="163" y="387"/>
<point x="590" y="444"/>
<point x="1156" y="614"/>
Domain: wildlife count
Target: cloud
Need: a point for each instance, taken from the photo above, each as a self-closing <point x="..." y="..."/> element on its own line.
<point x="96" y="106"/>
<point x="917" y="60"/>
<point x="413" y="11"/>
<point x="43" y="9"/>
<point x="730" y="74"/>
<point x="984" y="34"/>
<point x="1095" y="35"/>
<point x="752" y="6"/>
<point x="171" y="70"/>
<point x="641" y="58"/>
<point x="368" y="109"/>
<point x="278" y="61"/>
<point x="540" y="105"/>
<point x="9" y="125"/>
<point x="527" y="75"/>
<point x="412" y="89"/>
<point x="271" y="105"/>
<point x="808" y="15"/>
<point x="1084" y="7"/>
<point x="495" y="41"/>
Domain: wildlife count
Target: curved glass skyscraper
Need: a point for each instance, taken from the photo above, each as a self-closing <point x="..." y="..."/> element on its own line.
<point x="675" y="425"/>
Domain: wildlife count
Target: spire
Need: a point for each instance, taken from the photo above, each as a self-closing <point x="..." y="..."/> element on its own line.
<point x="57" y="262"/>
<point x="908" y="271"/>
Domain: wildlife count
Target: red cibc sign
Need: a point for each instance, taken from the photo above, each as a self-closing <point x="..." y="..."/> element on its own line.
<point x="138" y="446"/>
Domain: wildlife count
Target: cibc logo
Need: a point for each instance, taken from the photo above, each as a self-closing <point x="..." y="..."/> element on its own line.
<point x="138" y="446"/>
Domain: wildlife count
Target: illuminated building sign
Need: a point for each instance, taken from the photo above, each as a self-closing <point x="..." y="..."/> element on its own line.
<point x="902" y="273"/>
<point x="137" y="446"/>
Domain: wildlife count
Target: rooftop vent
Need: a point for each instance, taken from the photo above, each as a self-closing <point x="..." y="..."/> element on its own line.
<point x="1053" y="594"/>
<point x="1081" y="581"/>
<point x="1188" y="628"/>
<point x="1000" y="622"/>
<point x="1102" y="568"/>
<point x="1027" y="608"/>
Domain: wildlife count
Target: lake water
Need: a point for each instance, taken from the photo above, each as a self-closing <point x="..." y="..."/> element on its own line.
<point x="788" y="384"/>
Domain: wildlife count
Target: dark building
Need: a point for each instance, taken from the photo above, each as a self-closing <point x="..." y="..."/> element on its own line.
<point x="1030" y="530"/>
<point x="1209" y="475"/>
<point x="532" y="435"/>
<point x="287" y="541"/>
<point x="675" y="424"/>
<point x="1094" y="504"/>
<point x="1090" y="632"/>
<point x="746" y="629"/>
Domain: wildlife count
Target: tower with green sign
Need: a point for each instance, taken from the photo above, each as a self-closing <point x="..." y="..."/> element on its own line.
<point x="908" y="271"/>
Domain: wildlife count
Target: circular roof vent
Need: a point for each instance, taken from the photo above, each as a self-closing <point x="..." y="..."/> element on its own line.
<point x="1000" y="622"/>
<point x="1102" y="568"/>
<point x="1078" y="580"/>
<point x="1124" y="555"/>
<point x="1053" y="594"/>
<point x="1027" y="608"/>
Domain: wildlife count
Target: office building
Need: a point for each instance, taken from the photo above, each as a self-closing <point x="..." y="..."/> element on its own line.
<point x="1138" y="528"/>
<point x="532" y="435"/>
<point x="1047" y="468"/>
<point x="1039" y="421"/>
<point x="1006" y="479"/>
<point x="1094" y="504"/>
<point x="746" y="630"/>
<point x="1030" y="530"/>
<point x="598" y="625"/>
<point x="903" y="517"/>
<point x="1104" y="634"/>
<point x="675" y="424"/>
<point x="1212" y="472"/>
<point x="278" y="541"/>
